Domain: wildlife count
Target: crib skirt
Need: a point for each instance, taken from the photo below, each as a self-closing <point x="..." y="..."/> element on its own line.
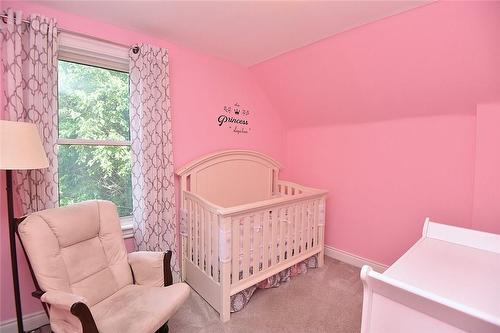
<point x="241" y="299"/>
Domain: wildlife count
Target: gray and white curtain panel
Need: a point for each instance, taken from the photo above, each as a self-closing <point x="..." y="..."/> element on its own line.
<point x="154" y="217"/>
<point x="30" y="87"/>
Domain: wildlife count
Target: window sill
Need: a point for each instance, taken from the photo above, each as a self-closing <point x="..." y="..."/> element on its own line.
<point x="127" y="227"/>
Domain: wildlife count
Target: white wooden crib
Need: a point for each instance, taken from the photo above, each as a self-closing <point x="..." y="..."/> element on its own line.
<point x="241" y="225"/>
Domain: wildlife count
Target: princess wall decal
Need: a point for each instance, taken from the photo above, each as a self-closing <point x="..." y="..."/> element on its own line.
<point x="235" y="118"/>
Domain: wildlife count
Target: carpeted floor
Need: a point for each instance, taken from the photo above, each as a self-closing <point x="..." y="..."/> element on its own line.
<point x="327" y="299"/>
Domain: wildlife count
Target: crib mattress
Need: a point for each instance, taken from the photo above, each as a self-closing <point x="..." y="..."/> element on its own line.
<point x="460" y="273"/>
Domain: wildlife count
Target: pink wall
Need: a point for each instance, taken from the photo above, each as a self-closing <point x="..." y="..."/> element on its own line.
<point x="200" y="87"/>
<point x="486" y="207"/>
<point x="385" y="177"/>
<point x="383" y="116"/>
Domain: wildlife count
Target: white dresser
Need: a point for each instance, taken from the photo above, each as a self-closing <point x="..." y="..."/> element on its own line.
<point x="449" y="281"/>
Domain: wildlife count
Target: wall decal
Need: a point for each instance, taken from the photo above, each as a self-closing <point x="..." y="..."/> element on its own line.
<point x="235" y="118"/>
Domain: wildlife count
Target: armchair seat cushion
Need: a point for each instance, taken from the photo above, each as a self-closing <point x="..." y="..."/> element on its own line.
<point x="137" y="308"/>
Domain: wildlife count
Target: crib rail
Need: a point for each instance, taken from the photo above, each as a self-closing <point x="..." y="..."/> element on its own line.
<point x="306" y="193"/>
<point x="289" y="188"/>
<point x="269" y="239"/>
<point x="259" y="235"/>
<point x="200" y="228"/>
<point x="237" y="247"/>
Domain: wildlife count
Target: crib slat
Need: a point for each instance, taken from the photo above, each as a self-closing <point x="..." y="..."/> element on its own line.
<point x="257" y="232"/>
<point x="308" y="225"/>
<point x="215" y="249"/>
<point x="246" y="247"/>
<point x="208" y="242"/>
<point x="311" y="225"/>
<point x="198" y="236"/>
<point x="307" y="230"/>
<point x="296" y="227"/>
<point x="254" y="243"/>
<point x="189" y="206"/>
<point x="202" y="238"/>
<point x="195" y="238"/>
<point x="282" y="227"/>
<point x="274" y="233"/>
<point x="236" y="255"/>
<point x="303" y="226"/>
<point x="289" y="228"/>
<point x="315" y="222"/>
<point x="209" y="221"/>
<point x="214" y="242"/>
<point x="193" y="222"/>
<point x="195" y="233"/>
<point x="296" y="221"/>
<point x="266" y="240"/>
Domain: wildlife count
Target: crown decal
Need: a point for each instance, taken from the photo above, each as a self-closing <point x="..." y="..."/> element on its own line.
<point x="236" y="109"/>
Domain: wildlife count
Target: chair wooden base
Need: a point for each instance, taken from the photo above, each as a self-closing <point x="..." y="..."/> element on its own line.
<point x="163" y="329"/>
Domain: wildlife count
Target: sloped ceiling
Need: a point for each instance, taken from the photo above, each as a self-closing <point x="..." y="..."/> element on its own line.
<point x="245" y="32"/>
<point x="440" y="59"/>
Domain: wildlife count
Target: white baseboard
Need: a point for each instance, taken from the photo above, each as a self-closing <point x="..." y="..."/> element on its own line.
<point x="31" y="321"/>
<point x="353" y="259"/>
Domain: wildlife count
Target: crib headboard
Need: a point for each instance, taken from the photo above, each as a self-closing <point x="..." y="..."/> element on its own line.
<point x="231" y="177"/>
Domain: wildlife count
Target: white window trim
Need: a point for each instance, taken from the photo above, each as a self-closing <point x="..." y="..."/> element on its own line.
<point x="78" y="48"/>
<point x="89" y="142"/>
<point x="95" y="52"/>
<point x="127" y="226"/>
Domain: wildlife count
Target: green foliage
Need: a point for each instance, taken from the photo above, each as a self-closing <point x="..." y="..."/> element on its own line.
<point x="93" y="104"/>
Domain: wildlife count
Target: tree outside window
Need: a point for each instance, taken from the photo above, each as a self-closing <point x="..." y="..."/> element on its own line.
<point x="94" y="136"/>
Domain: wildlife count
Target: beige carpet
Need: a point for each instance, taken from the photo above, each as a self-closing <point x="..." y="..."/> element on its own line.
<point x="326" y="299"/>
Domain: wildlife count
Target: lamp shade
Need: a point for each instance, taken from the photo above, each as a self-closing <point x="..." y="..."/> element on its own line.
<point x="21" y="147"/>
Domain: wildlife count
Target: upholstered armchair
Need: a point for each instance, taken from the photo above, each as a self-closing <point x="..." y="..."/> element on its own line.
<point x="87" y="281"/>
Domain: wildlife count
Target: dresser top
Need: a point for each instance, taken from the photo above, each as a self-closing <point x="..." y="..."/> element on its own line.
<point x="457" y="272"/>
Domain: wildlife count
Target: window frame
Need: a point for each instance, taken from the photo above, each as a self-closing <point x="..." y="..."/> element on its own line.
<point x="94" y="52"/>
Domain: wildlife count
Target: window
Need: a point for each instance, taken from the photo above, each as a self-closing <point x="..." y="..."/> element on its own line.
<point x="94" y="136"/>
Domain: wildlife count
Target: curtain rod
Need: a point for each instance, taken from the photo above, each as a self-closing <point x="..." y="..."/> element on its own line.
<point x="28" y="22"/>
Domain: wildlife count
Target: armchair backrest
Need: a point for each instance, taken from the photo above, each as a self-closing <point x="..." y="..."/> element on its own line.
<point x="77" y="249"/>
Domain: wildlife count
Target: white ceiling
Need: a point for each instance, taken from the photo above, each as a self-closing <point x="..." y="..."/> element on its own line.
<point x="246" y="32"/>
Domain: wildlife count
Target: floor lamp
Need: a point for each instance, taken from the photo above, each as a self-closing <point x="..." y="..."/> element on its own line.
<point x="20" y="149"/>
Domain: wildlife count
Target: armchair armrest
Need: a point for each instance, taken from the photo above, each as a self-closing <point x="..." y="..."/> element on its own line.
<point x="62" y="299"/>
<point x="62" y="302"/>
<point x="151" y="268"/>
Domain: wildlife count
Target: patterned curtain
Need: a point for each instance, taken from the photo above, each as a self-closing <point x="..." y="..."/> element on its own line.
<point x="154" y="219"/>
<point x="30" y="87"/>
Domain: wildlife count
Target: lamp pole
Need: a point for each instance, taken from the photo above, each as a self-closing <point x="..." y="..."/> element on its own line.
<point x="20" y="149"/>
<point x="13" y="252"/>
